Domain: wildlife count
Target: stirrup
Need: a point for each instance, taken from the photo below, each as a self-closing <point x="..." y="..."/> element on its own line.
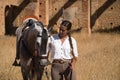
<point x="16" y="63"/>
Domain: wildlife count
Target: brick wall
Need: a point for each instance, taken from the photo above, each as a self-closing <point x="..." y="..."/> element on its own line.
<point x="104" y="13"/>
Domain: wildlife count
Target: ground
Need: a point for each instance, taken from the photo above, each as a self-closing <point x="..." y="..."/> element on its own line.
<point x="99" y="57"/>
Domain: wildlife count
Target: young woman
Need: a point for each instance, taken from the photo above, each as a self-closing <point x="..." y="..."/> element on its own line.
<point x="64" y="53"/>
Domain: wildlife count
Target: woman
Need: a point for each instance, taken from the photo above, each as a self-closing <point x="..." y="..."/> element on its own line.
<point x="64" y="53"/>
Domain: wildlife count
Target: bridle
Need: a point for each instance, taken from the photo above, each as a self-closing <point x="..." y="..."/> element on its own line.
<point x="41" y="37"/>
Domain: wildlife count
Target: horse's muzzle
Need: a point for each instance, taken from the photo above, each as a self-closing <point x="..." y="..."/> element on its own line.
<point x="44" y="62"/>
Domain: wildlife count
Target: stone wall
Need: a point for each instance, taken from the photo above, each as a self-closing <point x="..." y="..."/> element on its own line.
<point x="104" y="13"/>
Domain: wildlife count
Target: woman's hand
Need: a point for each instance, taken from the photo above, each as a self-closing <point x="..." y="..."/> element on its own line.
<point x="73" y="62"/>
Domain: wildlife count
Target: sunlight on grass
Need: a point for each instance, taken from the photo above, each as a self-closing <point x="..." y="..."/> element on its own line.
<point x="99" y="57"/>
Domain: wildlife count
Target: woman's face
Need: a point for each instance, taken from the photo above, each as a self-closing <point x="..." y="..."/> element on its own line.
<point x="63" y="31"/>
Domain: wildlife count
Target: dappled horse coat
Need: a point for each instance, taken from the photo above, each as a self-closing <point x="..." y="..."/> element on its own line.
<point x="34" y="46"/>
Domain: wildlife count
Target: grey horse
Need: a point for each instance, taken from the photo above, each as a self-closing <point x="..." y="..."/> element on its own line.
<point x="34" y="46"/>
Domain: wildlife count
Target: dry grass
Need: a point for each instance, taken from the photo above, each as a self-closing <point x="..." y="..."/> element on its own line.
<point x="99" y="57"/>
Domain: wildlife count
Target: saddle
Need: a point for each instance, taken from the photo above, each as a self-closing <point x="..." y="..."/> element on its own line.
<point x="21" y="30"/>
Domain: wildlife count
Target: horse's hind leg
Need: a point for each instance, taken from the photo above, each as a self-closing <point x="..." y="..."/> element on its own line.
<point x="24" y="74"/>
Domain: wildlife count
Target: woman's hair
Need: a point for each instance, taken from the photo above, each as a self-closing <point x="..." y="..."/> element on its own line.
<point x="67" y="24"/>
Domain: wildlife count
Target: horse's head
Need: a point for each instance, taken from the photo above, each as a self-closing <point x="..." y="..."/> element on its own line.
<point x="37" y="39"/>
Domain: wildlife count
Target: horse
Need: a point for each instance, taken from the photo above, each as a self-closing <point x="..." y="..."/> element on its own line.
<point x="34" y="46"/>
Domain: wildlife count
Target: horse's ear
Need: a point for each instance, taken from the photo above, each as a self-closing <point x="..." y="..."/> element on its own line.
<point x="30" y="22"/>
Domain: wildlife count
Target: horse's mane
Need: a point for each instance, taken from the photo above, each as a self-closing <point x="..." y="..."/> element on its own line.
<point x="44" y="41"/>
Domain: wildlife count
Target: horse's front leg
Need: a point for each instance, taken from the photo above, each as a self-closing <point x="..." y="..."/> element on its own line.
<point x="24" y="73"/>
<point x="38" y="73"/>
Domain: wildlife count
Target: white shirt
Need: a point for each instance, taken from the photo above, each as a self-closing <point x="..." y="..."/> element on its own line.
<point x="63" y="50"/>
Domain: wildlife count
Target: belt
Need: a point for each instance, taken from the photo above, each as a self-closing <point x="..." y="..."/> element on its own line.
<point x="61" y="60"/>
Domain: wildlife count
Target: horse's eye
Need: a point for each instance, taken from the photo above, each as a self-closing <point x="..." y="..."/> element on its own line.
<point x="37" y="24"/>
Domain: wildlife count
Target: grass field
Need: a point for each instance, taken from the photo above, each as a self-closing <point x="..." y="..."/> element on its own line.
<point x="99" y="57"/>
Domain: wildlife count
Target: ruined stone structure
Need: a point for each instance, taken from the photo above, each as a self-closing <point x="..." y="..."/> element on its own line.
<point x="90" y="15"/>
